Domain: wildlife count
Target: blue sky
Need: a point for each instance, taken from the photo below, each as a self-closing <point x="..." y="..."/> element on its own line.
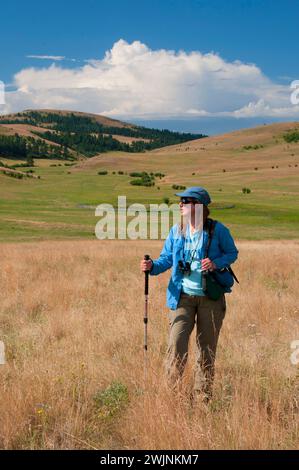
<point x="259" y="32"/>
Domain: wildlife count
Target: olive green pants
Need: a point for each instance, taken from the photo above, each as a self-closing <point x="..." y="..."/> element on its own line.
<point x="208" y="316"/>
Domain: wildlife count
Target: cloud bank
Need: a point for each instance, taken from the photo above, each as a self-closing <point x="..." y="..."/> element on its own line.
<point x="134" y="81"/>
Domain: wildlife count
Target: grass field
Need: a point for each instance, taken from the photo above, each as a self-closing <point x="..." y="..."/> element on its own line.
<point x="71" y="318"/>
<point x="71" y="314"/>
<point x="54" y="207"/>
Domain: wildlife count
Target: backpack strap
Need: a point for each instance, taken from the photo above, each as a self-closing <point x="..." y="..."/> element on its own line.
<point x="211" y="227"/>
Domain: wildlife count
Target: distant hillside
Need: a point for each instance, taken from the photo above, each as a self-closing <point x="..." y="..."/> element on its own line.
<point x="251" y="175"/>
<point x="71" y="135"/>
<point x="267" y="136"/>
<point x="105" y="121"/>
<point x="243" y="150"/>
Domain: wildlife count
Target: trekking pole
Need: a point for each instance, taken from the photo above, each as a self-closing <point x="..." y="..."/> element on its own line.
<point x="145" y="319"/>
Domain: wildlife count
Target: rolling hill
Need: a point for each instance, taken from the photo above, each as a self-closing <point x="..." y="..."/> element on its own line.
<point x="78" y="135"/>
<point x="252" y="176"/>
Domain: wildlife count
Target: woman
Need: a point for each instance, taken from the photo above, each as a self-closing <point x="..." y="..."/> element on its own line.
<point x="184" y="250"/>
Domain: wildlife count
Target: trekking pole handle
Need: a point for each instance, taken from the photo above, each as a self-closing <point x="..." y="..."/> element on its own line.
<point x="146" y="258"/>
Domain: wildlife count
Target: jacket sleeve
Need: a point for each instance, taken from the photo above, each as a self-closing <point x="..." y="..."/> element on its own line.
<point x="165" y="259"/>
<point x="228" y="248"/>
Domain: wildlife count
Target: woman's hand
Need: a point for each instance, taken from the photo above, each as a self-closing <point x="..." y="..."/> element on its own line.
<point x="146" y="265"/>
<point x="207" y="265"/>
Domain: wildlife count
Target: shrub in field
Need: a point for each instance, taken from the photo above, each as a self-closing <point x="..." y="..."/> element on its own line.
<point x="246" y="190"/>
<point x="112" y="400"/>
<point x="138" y="174"/>
<point x="291" y="137"/>
<point x="14" y="175"/>
<point x="137" y="182"/>
<point x="252" y="147"/>
<point x="142" y="182"/>
<point x="103" y="172"/>
<point x="143" y="179"/>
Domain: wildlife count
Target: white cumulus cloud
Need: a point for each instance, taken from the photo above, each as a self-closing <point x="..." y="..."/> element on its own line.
<point x="132" y="80"/>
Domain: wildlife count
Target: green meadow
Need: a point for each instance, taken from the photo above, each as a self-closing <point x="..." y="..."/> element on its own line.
<point x="61" y="204"/>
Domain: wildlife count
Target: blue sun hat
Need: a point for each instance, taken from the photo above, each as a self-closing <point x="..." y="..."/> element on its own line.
<point x="198" y="193"/>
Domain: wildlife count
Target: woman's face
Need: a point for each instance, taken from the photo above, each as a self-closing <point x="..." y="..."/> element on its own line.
<point x="191" y="208"/>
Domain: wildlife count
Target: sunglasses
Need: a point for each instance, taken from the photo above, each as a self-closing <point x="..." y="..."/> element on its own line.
<point x="186" y="200"/>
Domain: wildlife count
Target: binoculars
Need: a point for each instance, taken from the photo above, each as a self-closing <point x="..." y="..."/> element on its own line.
<point x="184" y="268"/>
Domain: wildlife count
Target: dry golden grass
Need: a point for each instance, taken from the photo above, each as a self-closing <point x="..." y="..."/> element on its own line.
<point x="71" y="318"/>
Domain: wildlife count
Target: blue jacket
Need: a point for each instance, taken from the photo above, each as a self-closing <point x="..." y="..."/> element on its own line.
<point x="222" y="252"/>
